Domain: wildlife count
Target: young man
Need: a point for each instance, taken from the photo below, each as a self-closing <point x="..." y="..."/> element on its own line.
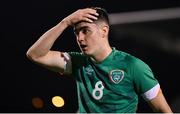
<point x="108" y="80"/>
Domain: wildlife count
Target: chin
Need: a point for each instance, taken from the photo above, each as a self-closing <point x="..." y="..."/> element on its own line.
<point x="86" y="53"/>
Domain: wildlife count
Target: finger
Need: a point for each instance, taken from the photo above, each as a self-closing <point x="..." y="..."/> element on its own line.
<point x="88" y="20"/>
<point x="91" y="11"/>
<point x="90" y="16"/>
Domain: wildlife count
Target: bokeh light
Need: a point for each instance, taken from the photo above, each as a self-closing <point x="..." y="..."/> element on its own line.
<point x="58" y="101"/>
<point x="37" y="102"/>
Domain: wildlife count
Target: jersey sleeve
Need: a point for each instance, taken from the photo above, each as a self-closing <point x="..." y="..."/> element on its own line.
<point x="68" y="63"/>
<point x="145" y="82"/>
<point x="77" y="60"/>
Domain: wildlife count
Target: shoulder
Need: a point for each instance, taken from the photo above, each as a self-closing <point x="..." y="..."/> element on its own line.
<point x="129" y="58"/>
<point x="121" y="54"/>
<point x="77" y="57"/>
<point x="133" y="62"/>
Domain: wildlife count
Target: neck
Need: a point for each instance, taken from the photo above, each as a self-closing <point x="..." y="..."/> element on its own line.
<point x="102" y="54"/>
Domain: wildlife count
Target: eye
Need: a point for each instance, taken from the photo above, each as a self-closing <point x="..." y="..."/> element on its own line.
<point x="76" y="31"/>
<point x="85" y="31"/>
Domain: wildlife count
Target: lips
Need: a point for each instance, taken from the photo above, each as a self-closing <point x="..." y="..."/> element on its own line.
<point x="83" y="46"/>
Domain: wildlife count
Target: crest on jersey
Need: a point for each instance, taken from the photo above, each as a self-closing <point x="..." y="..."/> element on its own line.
<point x="116" y="76"/>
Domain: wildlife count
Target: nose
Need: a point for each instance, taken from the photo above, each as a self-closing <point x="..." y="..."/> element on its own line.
<point x="80" y="37"/>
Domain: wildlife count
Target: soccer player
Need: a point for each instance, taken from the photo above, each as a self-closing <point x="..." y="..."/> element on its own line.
<point x="108" y="80"/>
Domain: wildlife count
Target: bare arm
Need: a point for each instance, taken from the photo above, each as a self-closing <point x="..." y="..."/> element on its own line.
<point x="159" y="104"/>
<point x="40" y="51"/>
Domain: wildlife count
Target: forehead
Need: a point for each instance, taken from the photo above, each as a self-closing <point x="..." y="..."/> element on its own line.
<point x="84" y="24"/>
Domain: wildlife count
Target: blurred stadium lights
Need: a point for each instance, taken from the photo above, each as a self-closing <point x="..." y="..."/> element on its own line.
<point x="142" y="16"/>
<point x="155" y="28"/>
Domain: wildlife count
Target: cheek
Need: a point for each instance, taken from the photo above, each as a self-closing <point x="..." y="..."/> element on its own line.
<point x="96" y="35"/>
<point x="99" y="34"/>
<point x="95" y="42"/>
<point x="94" y="38"/>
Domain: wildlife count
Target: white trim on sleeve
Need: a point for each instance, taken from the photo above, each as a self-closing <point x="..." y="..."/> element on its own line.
<point x="152" y="93"/>
<point x="68" y="63"/>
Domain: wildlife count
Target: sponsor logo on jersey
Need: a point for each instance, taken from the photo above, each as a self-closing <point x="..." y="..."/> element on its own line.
<point x="89" y="70"/>
<point x="116" y="76"/>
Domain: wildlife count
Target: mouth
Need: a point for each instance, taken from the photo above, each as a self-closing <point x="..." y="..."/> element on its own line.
<point x="83" y="46"/>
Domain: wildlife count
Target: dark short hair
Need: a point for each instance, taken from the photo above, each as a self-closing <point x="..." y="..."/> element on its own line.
<point x="103" y="15"/>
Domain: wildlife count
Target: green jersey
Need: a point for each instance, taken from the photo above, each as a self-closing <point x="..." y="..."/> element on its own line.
<point x="113" y="84"/>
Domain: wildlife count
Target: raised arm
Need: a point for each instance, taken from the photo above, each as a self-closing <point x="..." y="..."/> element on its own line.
<point x="40" y="52"/>
<point x="159" y="104"/>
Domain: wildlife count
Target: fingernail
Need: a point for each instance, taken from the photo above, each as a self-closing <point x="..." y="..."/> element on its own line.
<point x="91" y="21"/>
<point x="97" y="14"/>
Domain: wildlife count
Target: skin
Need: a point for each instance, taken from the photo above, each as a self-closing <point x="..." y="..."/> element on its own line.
<point x="92" y="38"/>
<point x="159" y="104"/>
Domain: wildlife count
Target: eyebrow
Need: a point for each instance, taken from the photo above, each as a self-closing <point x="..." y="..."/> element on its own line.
<point x="80" y="28"/>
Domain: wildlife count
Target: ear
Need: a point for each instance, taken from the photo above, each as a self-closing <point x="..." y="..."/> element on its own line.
<point x="105" y="31"/>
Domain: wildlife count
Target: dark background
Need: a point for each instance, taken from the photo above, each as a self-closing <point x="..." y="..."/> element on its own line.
<point x="23" y="22"/>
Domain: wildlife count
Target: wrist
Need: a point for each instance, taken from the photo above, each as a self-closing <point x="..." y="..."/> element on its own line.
<point x="65" y="22"/>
